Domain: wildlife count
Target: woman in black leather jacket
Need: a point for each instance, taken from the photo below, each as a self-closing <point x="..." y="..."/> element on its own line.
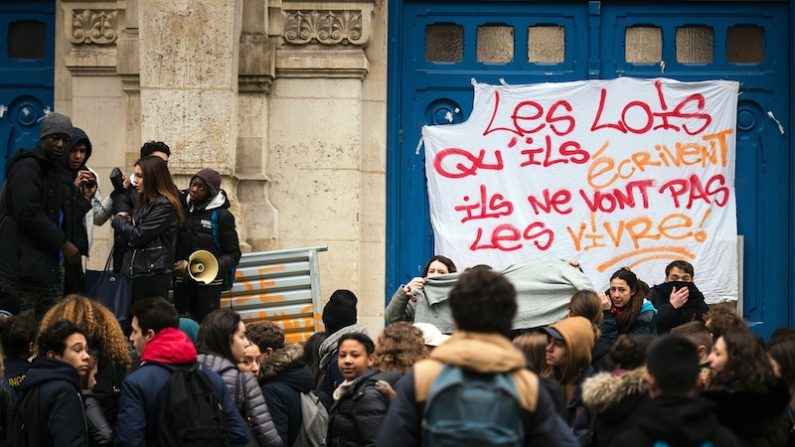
<point x="151" y="232"/>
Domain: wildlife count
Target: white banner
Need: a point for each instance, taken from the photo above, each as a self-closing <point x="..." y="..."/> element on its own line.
<point x="626" y="172"/>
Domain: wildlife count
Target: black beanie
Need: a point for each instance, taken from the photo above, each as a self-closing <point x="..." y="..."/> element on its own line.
<point x="340" y="311"/>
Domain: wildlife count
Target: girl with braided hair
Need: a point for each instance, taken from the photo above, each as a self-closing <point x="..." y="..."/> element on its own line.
<point x="629" y="311"/>
<point x="107" y="342"/>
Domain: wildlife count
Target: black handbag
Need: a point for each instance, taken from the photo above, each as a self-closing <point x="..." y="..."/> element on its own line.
<point x="114" y="290"/>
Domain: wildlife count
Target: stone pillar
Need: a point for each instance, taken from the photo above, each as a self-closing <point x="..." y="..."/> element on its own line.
<point x="189" y="80"/>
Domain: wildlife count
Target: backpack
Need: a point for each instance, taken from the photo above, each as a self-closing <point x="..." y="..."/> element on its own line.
<point x="21" y="429"/>
<point x="465" y="408"/>
<point x="190" y="413"/>
<point x="229" y="278"/>
<point x="314" y="422"/>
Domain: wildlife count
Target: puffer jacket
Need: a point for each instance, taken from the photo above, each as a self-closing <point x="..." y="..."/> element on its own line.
<point x="197" y="233"/>
<point x="152" y="238"/>
<point x="248" y="398"/>
<point x="284" y="376"/>
<point x="612" y="400"/>
<point x="356" y="417"/>
<point x="31" y="238"/>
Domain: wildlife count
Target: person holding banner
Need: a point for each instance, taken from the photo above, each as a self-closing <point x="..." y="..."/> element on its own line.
<point x="629" y="312"/>
<point x="403" y="305"/>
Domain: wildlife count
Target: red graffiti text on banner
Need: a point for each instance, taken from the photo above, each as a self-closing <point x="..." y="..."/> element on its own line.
<point x="637" y="117"/>
<point x="714" y="189"/>
<point x="506" y="237"/>
<point x="528" y="117"/>
<point x="570" y="151"/>
<point x="556" y="201"/>
<point x="469" y="165"/>
<point x="485" y="207"/>
<point x="608" y="201"/>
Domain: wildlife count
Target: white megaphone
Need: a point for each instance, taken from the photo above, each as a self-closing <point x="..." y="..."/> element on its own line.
<point x="202" y="267"/>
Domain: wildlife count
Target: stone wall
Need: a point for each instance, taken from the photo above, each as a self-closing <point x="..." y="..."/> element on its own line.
<point x="286" y="98"/>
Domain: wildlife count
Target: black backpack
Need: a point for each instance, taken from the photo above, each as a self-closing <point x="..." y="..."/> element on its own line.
<point x="191" y="413"/>
<point x="23" y="425"/>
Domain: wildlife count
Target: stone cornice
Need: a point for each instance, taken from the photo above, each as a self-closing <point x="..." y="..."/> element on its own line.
<point x="321" y="38"/>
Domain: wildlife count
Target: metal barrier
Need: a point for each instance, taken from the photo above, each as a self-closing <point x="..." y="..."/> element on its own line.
<point x="282" y="286"/>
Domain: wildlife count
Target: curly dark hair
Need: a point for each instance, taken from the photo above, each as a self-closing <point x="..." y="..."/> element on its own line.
<point x="53" y="337"/>
<point x="721" y="319"/>
<point x="747" y="367"/>
<point x="265" y="334"/>
<point x="103" y="331"/>
<point x="399" y="347"/>
<point x="483" y="301"/>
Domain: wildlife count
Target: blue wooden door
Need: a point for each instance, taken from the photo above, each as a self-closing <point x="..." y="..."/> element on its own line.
<point x="441" y="46"/>
<point x="27" y="36"/>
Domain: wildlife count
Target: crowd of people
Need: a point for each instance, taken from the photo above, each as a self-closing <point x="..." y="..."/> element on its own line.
<point x="633" y="365"/>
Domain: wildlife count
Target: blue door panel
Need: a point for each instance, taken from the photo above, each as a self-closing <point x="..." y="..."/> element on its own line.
<point x="762" y="164"/>
<point x="26" y="84"/>
<point x="437" y="93"/>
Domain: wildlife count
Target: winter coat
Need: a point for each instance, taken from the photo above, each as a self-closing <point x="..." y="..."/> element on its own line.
<point x="578" y="337"/>
<point x="14" y="376"/>
<point x="356" y="417"/>
<point x="612" y="400"/>
<point x="668" y="317"/>
<point x="152" y="238"/>
<point x="61" y="414"/>
<point x="758" y="418"/>
<point x="644" y="324"/>
<point x="331" y="376"/>
<point x="197" y="233"/>
<point x="122" y="201"/>
<point x="679" y="421"/>
<point x="107" y="390"/>
<point x="485" y="354"/>
<point x="75" y="205"/>
<point x="31" y="237"/>
<point x="247" y="396"/>
<point x="138" y="408"/>
<point x="284" y="377"/>
<point x="99" y="429"/>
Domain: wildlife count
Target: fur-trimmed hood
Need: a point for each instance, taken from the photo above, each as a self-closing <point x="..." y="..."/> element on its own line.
<point x="279" y="360"/>
<point x="605" y="390"/>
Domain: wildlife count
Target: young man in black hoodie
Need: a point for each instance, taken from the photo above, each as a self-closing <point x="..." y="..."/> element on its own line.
<point x="51" y="406"/>
<point x="32" y="241"/>
<point x="675" y="416"/>
<point x="208" y="226"/>
<point x="677" y="300"/>
<point x="80" y="185"/>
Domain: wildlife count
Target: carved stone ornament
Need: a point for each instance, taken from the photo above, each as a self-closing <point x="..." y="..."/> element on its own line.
<point x="325" y="27"/>
<point x="92" y="26"/>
